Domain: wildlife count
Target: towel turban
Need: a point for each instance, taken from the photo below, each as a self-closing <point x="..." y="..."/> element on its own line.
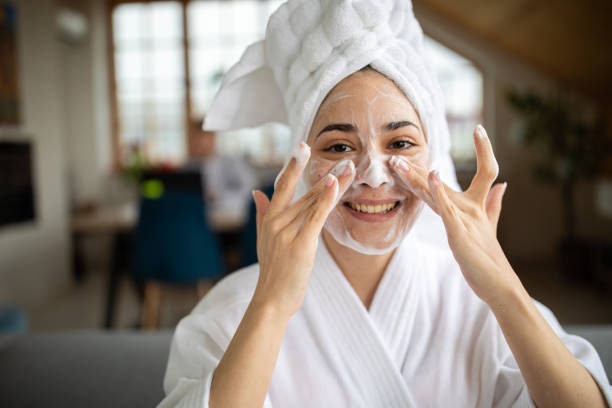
<point x="310" y="46"/>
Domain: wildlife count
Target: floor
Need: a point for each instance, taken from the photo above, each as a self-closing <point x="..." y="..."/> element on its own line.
<point x="82" y="307"/>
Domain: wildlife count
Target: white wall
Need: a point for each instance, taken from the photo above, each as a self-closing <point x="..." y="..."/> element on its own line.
<point x="85" y="76"/>
<point x="66" y="113"/>
<point x="34" y="257"/>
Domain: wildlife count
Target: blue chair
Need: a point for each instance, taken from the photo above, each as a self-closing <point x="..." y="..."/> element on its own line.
<point x="12" y="320"/>
<point x="173" y="244"/>
<point x="249" y="233"/>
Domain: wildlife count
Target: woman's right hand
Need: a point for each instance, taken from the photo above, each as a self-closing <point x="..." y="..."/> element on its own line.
<point x="287" y="234"/>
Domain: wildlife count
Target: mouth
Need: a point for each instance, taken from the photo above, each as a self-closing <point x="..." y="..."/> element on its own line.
<point x="372" y="208"/>
<point x="372" y="211"/>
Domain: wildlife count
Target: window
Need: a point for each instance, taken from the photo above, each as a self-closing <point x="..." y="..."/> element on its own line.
<point x="150" y="79"/>
<point x="462" y="86"/>
<point x="151" y="76"/>
<point x="158" y="95"/>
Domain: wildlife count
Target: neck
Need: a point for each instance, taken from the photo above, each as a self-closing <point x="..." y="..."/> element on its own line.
<point x="363" y="272"/>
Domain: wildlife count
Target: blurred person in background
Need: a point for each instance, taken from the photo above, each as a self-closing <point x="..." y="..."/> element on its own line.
<point x="226" y="181"/>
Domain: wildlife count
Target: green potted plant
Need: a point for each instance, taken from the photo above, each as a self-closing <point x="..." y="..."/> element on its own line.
<point x="566" y="148"/>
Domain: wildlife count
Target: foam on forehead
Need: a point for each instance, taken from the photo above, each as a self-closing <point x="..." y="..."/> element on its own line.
<point x="382" y="90"/>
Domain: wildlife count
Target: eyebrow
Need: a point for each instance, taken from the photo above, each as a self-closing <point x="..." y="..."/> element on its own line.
<point x="401" y="123"/>
<point x="347" y="127"/>
<point x="342" y="127"/>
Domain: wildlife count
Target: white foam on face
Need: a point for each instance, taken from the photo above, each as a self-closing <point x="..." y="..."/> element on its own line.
<point x="374" y="177"/>
<point x="301" y="154"/>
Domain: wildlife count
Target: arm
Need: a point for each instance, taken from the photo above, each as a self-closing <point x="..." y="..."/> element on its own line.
<point x="243" y="375"/>
<point x="552" y="374"/>
<point x="286" y="245"/>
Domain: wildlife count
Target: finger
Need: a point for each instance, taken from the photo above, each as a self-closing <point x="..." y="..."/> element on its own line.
<point x="316" y="215"/>
<point x="447" y="209"/>
<point x="297" y="209"/>
<point x="285" y="183"/>
<point x="415" y="178"/>
<point x="487" y="168"/>
<point x="261" y="207"/>
<point x="494" y="203"/>
<point x="343" y="171"/>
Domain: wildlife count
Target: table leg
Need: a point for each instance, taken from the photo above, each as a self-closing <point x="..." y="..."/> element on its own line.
<point x="78" y="265"/>
<point x="119" y="261"/>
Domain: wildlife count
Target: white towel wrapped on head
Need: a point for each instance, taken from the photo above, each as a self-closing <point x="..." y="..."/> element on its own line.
<point x="310" y="46"/>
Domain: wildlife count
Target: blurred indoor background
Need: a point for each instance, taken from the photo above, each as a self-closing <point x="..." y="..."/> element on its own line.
<point x="117" y="212"/>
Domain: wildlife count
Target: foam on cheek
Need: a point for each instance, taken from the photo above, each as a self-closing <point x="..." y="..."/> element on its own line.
<point x="317" y="169"/>
<point x="417" y="189"/>
<point x="301" y="154"/>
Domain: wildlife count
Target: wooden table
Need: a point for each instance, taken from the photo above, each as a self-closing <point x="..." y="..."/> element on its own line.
<point x="119" y="222"/>
<point x="105" y="220"/>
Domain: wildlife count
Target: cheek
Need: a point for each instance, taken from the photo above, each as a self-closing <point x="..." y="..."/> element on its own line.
<point x="317" y="169"/>
<point x="419" y="158"/>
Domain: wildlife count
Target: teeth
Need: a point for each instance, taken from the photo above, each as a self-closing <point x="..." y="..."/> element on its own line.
<point x="372" y="209"/>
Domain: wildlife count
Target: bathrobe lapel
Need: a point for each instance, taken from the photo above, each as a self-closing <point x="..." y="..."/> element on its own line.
<point x="372" y="345"/>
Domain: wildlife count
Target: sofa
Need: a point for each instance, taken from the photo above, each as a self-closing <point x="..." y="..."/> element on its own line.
<point x="120" y="368"/>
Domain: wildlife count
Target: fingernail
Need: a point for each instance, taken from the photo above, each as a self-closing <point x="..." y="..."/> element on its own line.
<point x="343" y="168"/>
<point x="481" y="132"/>
<point x="396" y="161"/>
<point x="330" y="180"/>
<point x="435" y="176"/>
<point x="505" y="186"/>
<point x="301" y="153"/>
<point x="255" y="199"/>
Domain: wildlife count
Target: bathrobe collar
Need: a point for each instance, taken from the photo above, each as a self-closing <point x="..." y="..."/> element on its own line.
<point x="376" y="340"/>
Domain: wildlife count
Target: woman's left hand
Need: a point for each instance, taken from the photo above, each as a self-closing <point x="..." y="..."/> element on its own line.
<point x="470" y="218"/>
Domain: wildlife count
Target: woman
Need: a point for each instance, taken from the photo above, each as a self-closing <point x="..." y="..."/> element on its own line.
<point x="356" y="301"/>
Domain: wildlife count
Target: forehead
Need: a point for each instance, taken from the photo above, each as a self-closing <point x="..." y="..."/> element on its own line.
<point x="366" y="90"/>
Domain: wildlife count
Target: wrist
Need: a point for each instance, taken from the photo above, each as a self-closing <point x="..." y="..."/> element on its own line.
<point x="268" y="310"/>
<point x="510" y="300"/>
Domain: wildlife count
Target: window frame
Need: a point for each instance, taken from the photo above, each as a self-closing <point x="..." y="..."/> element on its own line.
<point x="115" y="142"/>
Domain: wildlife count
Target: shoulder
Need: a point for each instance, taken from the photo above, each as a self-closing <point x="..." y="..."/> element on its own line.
<point x="219" y="312"/>
<point x="233" y="291"/>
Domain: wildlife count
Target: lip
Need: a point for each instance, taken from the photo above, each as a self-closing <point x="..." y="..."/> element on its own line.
<point x="370" y="217"/>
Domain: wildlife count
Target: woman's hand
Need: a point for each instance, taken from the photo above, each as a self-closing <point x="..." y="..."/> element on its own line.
<point x="470" y="218"/>
<point x="287" y="234"/>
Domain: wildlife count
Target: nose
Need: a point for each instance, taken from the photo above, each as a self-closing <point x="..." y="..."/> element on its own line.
<point x="373" y="171"/>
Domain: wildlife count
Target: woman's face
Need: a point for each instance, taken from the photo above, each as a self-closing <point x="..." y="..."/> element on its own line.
<point x="367" y="119"/>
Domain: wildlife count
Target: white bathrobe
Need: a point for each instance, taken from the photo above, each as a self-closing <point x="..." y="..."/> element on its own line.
<point x="427" y="341"/>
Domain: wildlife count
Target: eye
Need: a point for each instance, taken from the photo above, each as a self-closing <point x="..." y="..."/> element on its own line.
<point x="339" y="148"/>
<point x="401" y="144"/>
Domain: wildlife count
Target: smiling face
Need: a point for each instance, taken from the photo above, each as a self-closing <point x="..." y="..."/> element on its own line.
<point x="367" y="119"/>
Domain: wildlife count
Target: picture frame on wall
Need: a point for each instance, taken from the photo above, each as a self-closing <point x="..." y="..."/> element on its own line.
<point x="17" y="197"/>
